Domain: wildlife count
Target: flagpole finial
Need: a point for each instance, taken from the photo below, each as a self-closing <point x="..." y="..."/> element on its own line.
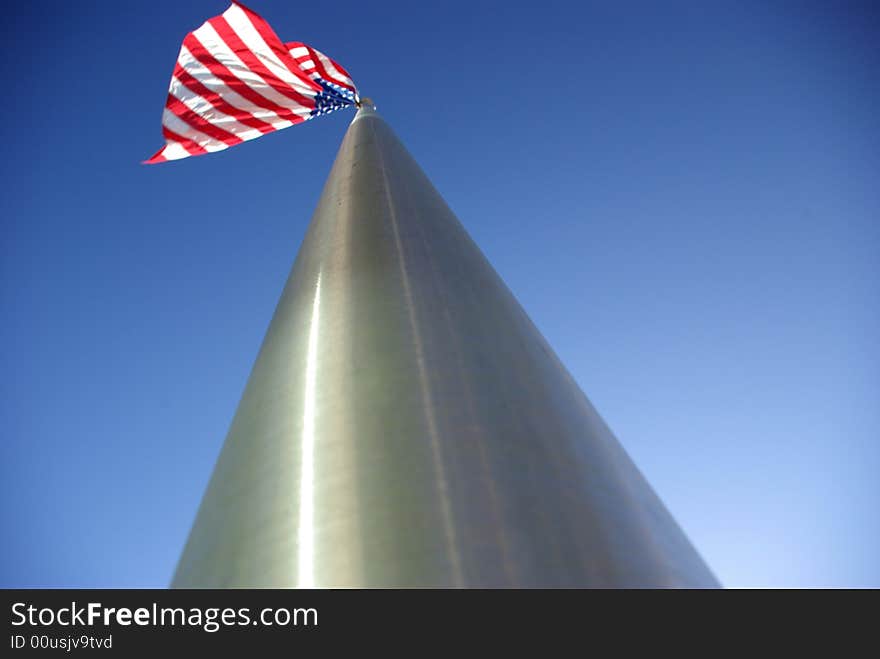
<point x="365" y="108"/>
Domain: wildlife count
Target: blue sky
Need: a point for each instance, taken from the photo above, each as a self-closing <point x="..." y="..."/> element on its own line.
<point x="683" y="196"/>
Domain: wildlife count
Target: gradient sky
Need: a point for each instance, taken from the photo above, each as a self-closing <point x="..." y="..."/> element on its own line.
<point x="685" y="197"/>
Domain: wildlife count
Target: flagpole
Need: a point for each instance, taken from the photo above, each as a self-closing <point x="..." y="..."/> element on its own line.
<point x="405" y="423"/>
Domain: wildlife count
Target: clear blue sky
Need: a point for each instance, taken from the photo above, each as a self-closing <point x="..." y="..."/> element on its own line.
<point x="685" y="197"/>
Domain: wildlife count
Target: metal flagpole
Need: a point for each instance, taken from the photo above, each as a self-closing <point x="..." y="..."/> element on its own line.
<point x="405" y="423"/>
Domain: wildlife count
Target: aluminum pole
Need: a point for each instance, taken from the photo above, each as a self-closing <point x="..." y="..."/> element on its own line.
<point x="405" y="423"/>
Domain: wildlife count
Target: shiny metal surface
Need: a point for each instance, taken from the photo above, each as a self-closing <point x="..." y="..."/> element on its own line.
<point x="405" y="423"/>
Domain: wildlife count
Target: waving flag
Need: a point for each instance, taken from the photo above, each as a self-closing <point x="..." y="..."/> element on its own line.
<point x="235" y="80"/>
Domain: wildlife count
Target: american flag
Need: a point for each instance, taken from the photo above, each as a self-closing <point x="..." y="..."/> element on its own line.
<point x="235" y="80"/>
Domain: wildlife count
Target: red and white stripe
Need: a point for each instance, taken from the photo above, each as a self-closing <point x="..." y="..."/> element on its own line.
<point x="317" y="65"/>
<point x="235" y="80"/>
